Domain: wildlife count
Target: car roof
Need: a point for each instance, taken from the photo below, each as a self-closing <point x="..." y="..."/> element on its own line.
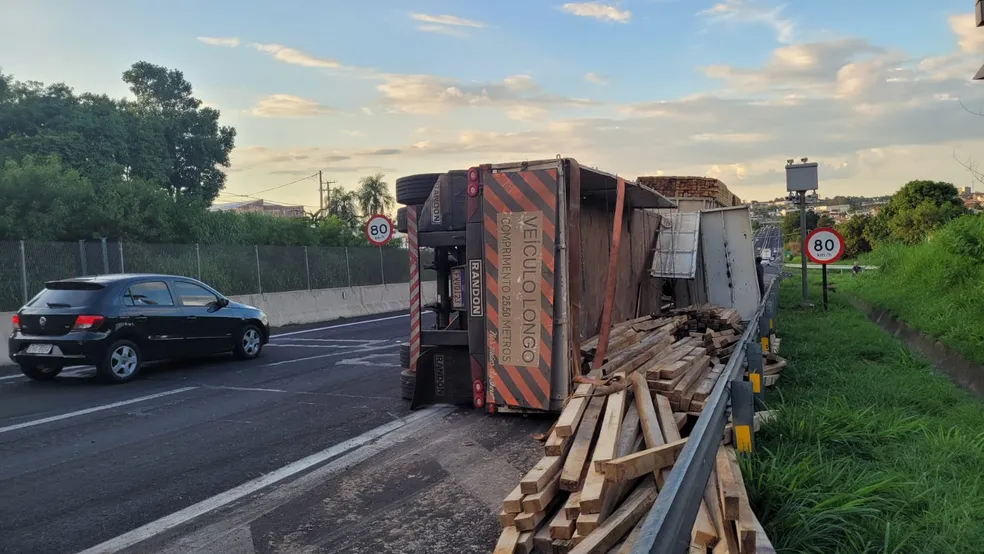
<point x="118" y="277"/>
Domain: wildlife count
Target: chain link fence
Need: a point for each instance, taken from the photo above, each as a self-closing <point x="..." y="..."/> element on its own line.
<point x="25" y="266"/>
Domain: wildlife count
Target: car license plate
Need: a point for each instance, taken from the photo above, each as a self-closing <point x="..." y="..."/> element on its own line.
<point x="39" y="349"/>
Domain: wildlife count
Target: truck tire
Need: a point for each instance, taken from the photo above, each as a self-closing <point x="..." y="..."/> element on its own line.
<point x="401" y="220"/>
<point x="413" y="190"/>
<point x="408" y="380"/>
<point x="405" y="355"/>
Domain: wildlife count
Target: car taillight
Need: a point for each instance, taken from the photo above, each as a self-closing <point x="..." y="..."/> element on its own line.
<point x="15" y="321"/>
<point x="83" y="322"/>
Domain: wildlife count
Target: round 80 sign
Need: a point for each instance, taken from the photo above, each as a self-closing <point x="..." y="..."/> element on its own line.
<point x="824" y="246"/>
<point x="379" y="229"/>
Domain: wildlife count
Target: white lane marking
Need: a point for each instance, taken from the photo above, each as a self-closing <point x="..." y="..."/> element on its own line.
<point x="357" y="341"/>
<point x="364" y="360"/>
<point x="245" y="389"/>
<point x="321" y="346"/>
<point x="79" y="371"/>
<point x="339" y="326"/>
<point x="92" y="410"/>
<point x="329" y="355"/>
<point x="361" y="451"/>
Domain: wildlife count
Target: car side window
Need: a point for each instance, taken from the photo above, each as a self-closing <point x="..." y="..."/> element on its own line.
<point x="151" y="293"/>
<point x="193" y="295"/>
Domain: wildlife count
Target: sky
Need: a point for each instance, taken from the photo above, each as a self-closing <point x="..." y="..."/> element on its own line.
<point x="877" y="92"/>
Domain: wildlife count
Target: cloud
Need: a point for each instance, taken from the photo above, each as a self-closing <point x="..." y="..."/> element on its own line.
<point x="519" y="95"/>
<point x="597" y="10"/>
<point x="230" y="42"/>
<point x="445" y="24"/>
<point x="969" y="37"/>
<point x="447" y="20"/>
<point x="596" y="79"/>
<point x="745" y="11"/>
<point x="295" y="57"/>
<point x="287" y="105"/>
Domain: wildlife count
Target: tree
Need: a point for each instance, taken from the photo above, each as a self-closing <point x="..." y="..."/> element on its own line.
<point x="343" y="204"/>
<point x="854" y="232"/>
<point x="790" y="225"/>
<point x="374" y="196"/>
<point x="195" y="143"/>
<point x="825" y="221"/>
<point x="917" y="209"/>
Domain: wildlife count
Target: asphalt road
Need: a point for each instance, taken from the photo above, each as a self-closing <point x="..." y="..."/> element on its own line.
<point x="149" y="462"/>
<point x="769" y="236"/>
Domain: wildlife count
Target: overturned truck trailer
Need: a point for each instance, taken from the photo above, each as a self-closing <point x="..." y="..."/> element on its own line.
<point x="521" y="253"/>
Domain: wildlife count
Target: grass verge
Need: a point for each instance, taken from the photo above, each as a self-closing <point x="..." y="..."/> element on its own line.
<point x="936" y="286"/>
<point x="872" y="450"/>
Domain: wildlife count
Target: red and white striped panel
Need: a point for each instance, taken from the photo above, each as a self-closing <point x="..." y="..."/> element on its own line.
<point x="412" y="212"/>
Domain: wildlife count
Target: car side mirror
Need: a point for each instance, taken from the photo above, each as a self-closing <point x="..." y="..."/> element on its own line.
<point x="221" y="302"/>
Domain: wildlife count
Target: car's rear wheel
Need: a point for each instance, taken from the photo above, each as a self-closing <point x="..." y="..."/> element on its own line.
<point x="250" y="343"/>
<point x="40" y="372"/>
<point x="414" y="189"/>
<point x="120" y="363"/>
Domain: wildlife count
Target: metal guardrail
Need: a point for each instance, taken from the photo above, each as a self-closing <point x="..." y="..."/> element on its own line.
<point x="830" y="266"/>
<point x="667" y="527"/>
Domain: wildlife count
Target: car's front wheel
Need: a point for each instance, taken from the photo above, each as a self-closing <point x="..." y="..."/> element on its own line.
<point x="250" y="343"/>
<point x="120" y="363"/>
<point x="39" y="372"/>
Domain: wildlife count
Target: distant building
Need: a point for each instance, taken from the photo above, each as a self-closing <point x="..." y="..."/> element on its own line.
<point x="967" y="192"/>
<point x="260" y="206"/>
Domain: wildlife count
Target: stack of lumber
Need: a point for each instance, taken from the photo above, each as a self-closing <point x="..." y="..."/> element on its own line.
<point x="618" y="437"/>
<point x="772" y="366"/>
<point x="691" y="187"/>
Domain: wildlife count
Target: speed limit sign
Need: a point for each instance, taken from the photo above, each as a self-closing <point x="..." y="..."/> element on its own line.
<point x="824" y="246"/>
<point x="379" y="229"/>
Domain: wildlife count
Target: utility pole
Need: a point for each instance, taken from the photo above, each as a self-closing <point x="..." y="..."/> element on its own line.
<point x="800" y="178"/>
<point x="324" y="193"/>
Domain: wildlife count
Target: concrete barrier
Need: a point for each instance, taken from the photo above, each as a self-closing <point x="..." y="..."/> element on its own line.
<point x="305" y="306"/>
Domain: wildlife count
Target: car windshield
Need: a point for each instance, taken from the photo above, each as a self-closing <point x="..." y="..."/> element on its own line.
<point x="64" y="297"/>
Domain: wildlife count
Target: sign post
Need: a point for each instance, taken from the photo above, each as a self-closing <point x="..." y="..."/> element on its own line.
<point x="824" y="246"/>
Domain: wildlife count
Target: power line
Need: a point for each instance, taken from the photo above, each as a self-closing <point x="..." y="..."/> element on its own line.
<point x="286" y="184"/>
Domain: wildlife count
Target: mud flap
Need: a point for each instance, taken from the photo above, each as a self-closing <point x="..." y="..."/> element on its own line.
<point x="443" y="377"/>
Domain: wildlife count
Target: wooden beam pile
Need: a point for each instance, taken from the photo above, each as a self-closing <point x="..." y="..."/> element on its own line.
<point x="618" y="437"/>
<point x="691" y="187"/>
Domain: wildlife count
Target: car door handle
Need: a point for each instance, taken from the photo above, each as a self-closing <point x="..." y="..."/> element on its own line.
<point x="140" y="318"/>
<point x="192" y="317"/>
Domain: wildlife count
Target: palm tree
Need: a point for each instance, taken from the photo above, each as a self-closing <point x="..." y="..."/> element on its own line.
<point x="374" y="196"/>
<point x="343" y="205"/>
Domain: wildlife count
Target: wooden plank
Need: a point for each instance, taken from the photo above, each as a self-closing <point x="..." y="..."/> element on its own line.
<point x="541" y="540"/>
<point x="727" y="488"/>
<point x="538" y="501"/>
<point x="629" y="441"/>
<point x="513" y="503"/>
<point x="572" y="475"/>
<point x="704" y="533"/>
<point x="573" y="505"/>
<point x="555" y="444"/>
<point x="711" y="500"/>
<point x="696" y="371"/>
<point x="586" y="523"/>
<point x="527" y="521"/>
<point x="629" y="543"/>
<point x="762" y="543"/>
<point x="570" y="416"/>
<point x="694" y="357"/>
<point x="561" y="526"/>
<point x="651" y="433"/>
<point x="507" y="541"/>
<point x="667" y="423"/>
<point x="507" y="520"/>
<point x="681" y="419"/>
<point x="609" y="533"/>
<point x="745" y="523"/>
<point x="525" y="543"/>
<point x="620" y="470"/>
<point x="541" y="474"/>
<point x="593" y="491"/>
<point x="707" y="384"/>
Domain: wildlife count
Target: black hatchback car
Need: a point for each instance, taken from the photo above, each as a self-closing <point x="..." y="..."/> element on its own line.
<point x="118" y="322"/>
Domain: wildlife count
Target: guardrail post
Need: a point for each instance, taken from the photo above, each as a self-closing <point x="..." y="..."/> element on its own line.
<point x="742" y="414"/>
<point x="753" y="354"/>
<point x="198" y="256"/>
<point x="122" y="270"/>
<point x="348" y="268"/>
